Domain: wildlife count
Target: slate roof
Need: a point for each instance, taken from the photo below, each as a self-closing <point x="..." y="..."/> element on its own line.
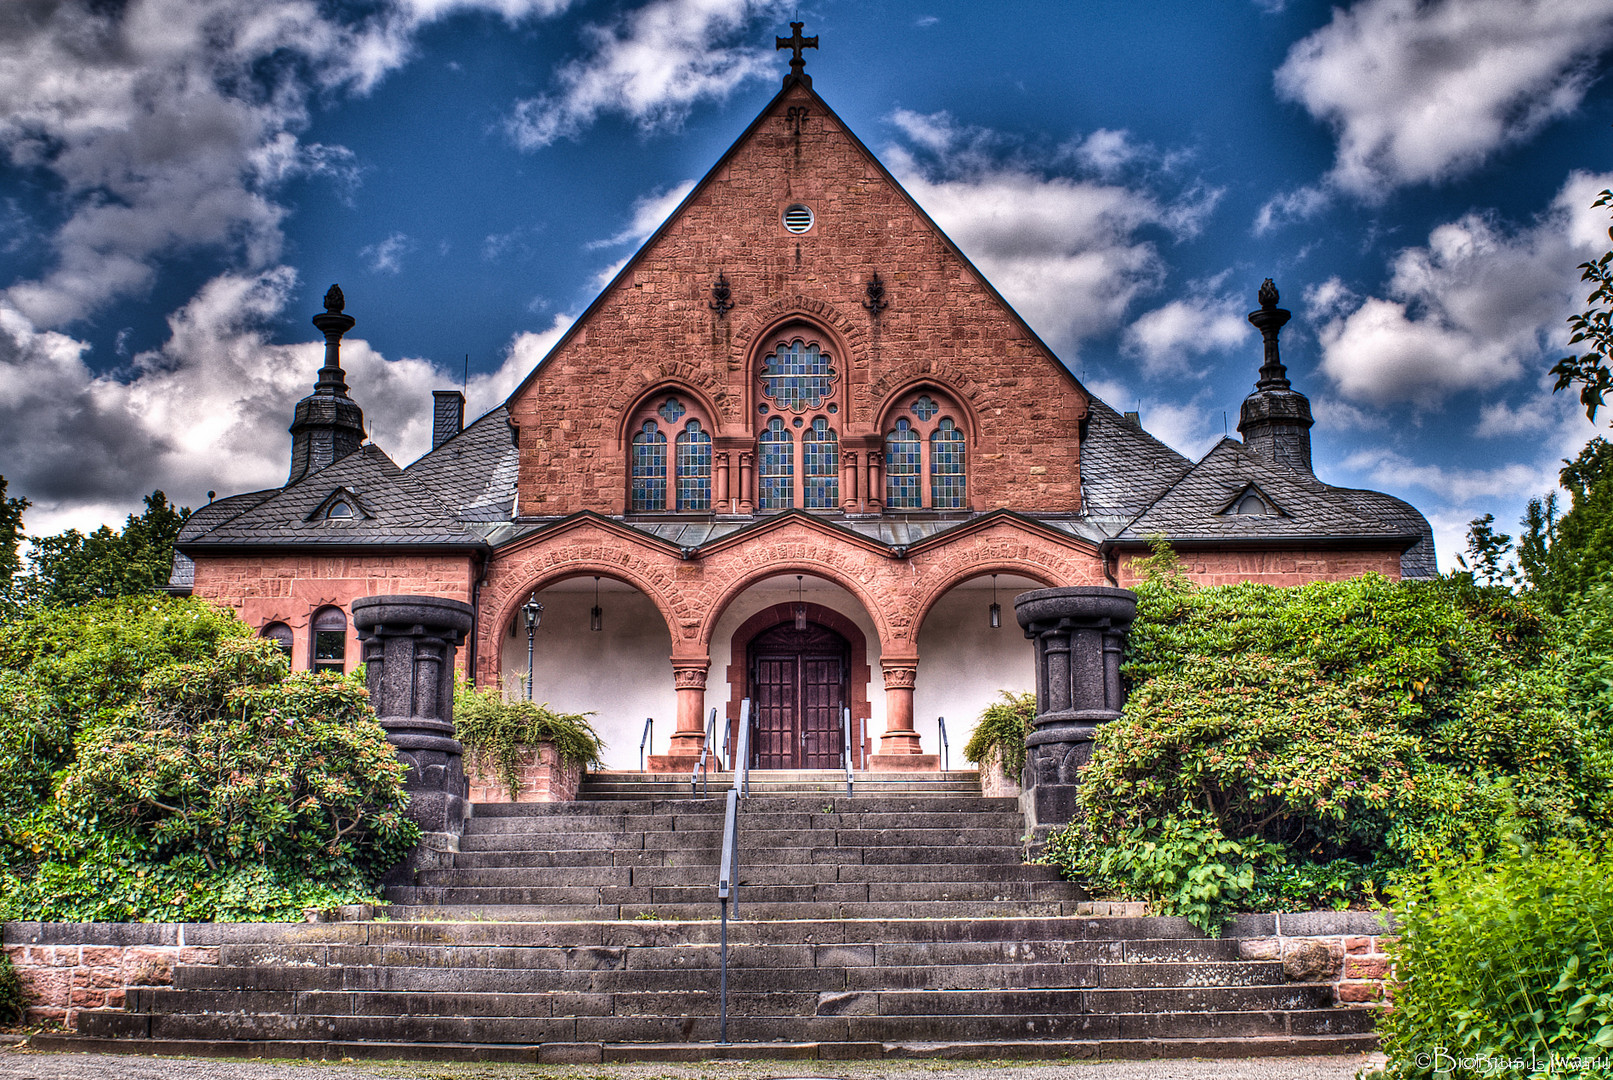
<point x="1124" y="470"/>
<point x="395" y="509"/>
<point x="1193" y="509"/>
<point x="474" y="472"/>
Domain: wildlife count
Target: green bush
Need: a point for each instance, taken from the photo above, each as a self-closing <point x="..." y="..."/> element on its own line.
<point x="1505" y="960"/>
<point x="229" y="790"/>
<point x="66" y="670"/>
<point x="496" y="731"/>
<point x="13" y="999"/>
<point x="1336" y="733"/>
<point x="1001" y="732"/>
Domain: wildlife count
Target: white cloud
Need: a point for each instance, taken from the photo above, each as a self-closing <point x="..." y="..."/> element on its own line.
<point x="1167" y="337"/>
<point x="649" y="211"/>
<point x="206" y="411"/>
<point x="1297" y="205"/>
<point x="1468" y="310"/>
<point x="651" y="66"/>
<point x="1064" y="250"/>
<point x="1106" y="151"/>
<point x="1422" y="90"/>
<point x="386" y="257"/>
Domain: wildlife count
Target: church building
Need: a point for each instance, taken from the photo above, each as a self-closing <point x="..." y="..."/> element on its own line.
<point x="800" y="451"/>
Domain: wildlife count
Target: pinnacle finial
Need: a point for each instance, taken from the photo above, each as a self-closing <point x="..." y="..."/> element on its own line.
<point x="1269" y="320"/>
<point x="1268" y="294"/>
<point x="796" y="42"/>
<point x="334" y="300"/>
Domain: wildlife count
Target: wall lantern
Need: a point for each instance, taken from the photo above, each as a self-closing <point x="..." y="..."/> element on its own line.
<point x="996" y="608"/>
<point x="596" y="615"/>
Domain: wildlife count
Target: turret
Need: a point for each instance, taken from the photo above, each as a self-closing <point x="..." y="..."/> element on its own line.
<point x="1275" y="421"/>
<point x="328" y="424"/>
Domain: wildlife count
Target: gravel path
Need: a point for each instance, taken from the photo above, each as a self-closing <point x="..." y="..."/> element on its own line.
<point x="27" y="1065"/>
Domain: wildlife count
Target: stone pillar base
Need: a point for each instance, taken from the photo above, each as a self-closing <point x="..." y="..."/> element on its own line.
<point x="676" y="763"/>
<point x="904" y="762"/>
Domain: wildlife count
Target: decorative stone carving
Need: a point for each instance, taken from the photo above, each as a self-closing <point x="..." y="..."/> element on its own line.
<point x="1079" y="635"/>
<point x="409" y="644"/>
<point x="899" y="677"/>
<point x="690" y="678"/>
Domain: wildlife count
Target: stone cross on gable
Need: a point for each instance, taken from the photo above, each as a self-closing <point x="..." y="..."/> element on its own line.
<point x="796" y="42"/>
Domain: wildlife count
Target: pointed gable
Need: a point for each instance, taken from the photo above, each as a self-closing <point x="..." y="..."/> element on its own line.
<point x="938" y="327"/>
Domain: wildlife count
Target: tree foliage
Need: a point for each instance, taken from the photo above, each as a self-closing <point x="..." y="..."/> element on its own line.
<point x="1564" y="556"/>
<point x="74" y="568"/>
<point x="11" y="536"/>
<point x="1327" y="738"/>
<point x="1591" y="369"/>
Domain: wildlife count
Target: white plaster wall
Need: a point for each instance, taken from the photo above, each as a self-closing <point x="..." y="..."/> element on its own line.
<point x="781" y="590"/>
<point x="964" y="664"/>
<point x="623" y="673"/>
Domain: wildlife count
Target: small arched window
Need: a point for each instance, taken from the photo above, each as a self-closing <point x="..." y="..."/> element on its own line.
<point x="946" y="466"/>
<point x="820" y="464"/>
<point x="694" y="467"/>
<point x="902" y="489"/>
<point x="330" y="640"/>
<point x="1251" y="505"/>
<point x="776" y="474"/>
<point x="280" y="634"/>
<point x="649" y="468"/>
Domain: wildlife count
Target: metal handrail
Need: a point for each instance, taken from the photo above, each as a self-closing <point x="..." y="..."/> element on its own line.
<point x="728" y="867"/>
<point x="698" y="776"/>
<point x="845" y="738"/>
<point x="941" y="734"/>
<point x="649" y="732"/>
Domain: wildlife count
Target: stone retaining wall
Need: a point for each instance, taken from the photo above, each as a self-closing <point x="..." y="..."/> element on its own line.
<point x="1345" y="948"/>
<point x="542" y="777"/>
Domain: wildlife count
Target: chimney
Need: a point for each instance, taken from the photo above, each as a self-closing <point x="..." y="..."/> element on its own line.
<point x="447" y="415"/>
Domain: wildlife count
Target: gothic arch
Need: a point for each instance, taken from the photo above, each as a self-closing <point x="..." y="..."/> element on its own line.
<point x="897" y="376"/>
<point x="689" y="376"/>
<point x="669" y="388"/>
<point x="888" y="404"/>
<point x="762" y="321"/>
<point x="783" y="560"/>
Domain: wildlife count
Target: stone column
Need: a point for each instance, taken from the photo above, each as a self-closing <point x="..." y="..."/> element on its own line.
<point x="409" y="644"/>
<point x="747" y="483"/>
<point x="1079" y="635"/>
<point x="899" y="749"/>
<point x="683" y="753"/>
<point x="848" y="481"/>
<point x="719" y="497"/>
<point x="876" y="481"/>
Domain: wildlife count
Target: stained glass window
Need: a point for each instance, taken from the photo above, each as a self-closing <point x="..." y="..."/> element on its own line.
<point x="946" y="466"/>
<point x="694" y="468"/>
<point x="797" y="376"/>
<point x="776" y="475"/>
<point x="820" y="466"/>
<point x="649" y="468"/>
<point x="671" y="410"/>
<point x="902" y="468"/>
<point x="925" y="407"/>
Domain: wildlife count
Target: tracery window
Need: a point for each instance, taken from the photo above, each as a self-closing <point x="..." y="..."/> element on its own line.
<point x="925" y="455"/>
<point x="820" y="466"/>
<point x="776" y="468"/>
<point x="669" y="457"/>
<point x="798" y="375"/>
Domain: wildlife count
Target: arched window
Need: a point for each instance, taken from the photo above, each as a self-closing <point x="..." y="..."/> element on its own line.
<point x="798" y="375"/>
<point x="694" y="467"/>
<point x="902" y="489"/>
<point x="330" y="640"/>
<point x="820" y="466"/>
<point x="946" y="466"/>
<point x="280" y="634"/>
<point x="649" y="468"/>
<point x="776" y="471"/>
<point x="932" y="479"/>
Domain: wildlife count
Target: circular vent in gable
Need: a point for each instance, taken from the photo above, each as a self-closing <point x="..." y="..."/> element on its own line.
<point x="798" y="218"/>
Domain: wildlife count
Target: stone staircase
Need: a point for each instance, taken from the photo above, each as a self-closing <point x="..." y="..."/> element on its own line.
<point x="877" y="925"/>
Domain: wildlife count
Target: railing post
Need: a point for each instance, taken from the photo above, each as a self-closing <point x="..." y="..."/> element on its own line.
<point x="941" y="738"/>
<point x="649" y="735"/>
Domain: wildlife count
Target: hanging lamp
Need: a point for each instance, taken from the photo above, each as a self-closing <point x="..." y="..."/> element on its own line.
<point x="996" y="608"/>
<point x="596" y="616"/>
<point x="800" y="605"/>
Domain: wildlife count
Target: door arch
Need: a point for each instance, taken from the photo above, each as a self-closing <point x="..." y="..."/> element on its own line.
<point x="798" y="687"/>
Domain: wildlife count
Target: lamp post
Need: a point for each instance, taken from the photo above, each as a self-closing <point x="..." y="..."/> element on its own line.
<point x="532" y="612"/>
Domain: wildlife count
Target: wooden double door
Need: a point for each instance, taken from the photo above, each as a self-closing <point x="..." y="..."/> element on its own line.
<point x="797" y="691"/>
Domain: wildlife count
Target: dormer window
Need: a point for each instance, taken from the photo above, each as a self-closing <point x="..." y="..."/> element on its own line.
<point x="342" y="504"/>
<point x="339" y="509"/>
<point x="1251" y="502"/>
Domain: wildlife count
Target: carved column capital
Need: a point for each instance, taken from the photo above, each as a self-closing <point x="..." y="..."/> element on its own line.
<point x="690" y="678"/>
<point x="900" y="675"/>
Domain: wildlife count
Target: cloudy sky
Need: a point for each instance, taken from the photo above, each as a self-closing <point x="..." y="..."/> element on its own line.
<point x="181" y="180"/>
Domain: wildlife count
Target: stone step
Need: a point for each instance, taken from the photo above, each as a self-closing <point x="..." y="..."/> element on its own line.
<point x="750" y="821"/>
<point x="707" y="855"/>
<point x="752" y="893"/>
<point x="464" y="876"/>
<point x="1227" y="1047"/>
<point x="948" y="1026"/>
<point x="761" y="911"/>
<point x="761" y="804"/>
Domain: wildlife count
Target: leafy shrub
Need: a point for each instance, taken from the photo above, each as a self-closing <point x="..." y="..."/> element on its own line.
<point x="1001" y="732"/>
<point x="1506" y="959"/>
<point x="1336" y="733"/>
<point x="65" y="670"/>
<point x="230" y="790"/>
<point x="13" y="999"/>
<point x="495" y="731"/>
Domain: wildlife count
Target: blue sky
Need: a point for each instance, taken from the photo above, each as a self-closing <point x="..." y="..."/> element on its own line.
<point x="181" y="180"/>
